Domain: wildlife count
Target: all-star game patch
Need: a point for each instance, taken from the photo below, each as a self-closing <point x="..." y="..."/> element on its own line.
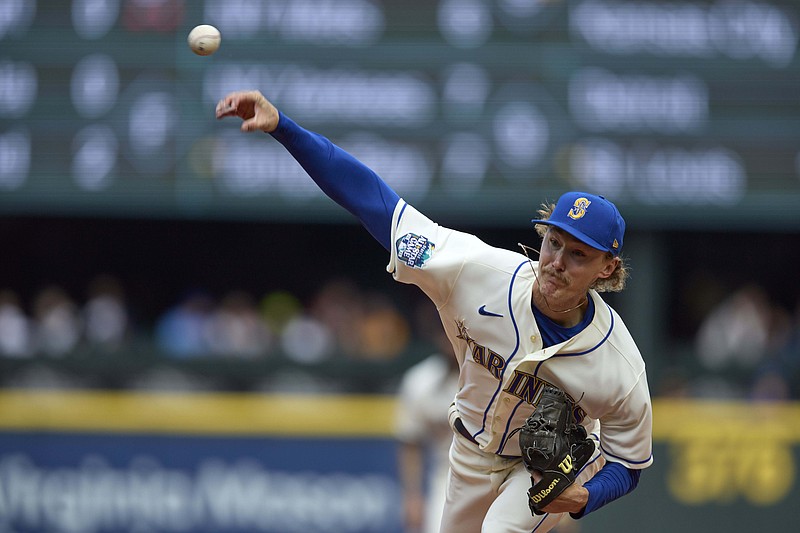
<point x="414" y="250"/>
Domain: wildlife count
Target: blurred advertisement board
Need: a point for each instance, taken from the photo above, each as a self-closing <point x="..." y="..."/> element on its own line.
<point x="85" y="462"/>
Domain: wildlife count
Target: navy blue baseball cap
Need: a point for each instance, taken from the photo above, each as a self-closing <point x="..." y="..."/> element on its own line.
<point x="589" y="218"/>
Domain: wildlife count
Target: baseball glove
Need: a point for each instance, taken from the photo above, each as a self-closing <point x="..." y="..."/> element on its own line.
<point x="554" y="446"/>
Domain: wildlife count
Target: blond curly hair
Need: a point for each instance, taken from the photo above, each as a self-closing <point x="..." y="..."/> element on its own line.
<point x="615" y="282"/>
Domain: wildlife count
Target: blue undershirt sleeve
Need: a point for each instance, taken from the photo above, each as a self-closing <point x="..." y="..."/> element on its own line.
<point x="611" y="482"/>
<point x="342" y="177"/>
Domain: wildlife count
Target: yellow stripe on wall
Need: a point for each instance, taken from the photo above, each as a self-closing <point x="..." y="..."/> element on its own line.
<point x="685" y="419"/>
<point x="249" y="414"/>
<point x="233" y="414"/>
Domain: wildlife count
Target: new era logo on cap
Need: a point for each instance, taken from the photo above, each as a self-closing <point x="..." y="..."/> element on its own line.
<point x="589" y="218"/>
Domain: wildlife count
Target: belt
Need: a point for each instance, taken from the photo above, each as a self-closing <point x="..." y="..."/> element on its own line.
<point x="464" y="432"/>
<point x="459" y="425"/>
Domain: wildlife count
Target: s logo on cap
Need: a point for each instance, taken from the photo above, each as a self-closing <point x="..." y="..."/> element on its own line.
<point x="579" y="208"/>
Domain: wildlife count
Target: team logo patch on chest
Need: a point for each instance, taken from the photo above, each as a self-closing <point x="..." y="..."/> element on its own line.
<point x="414" y="250"/>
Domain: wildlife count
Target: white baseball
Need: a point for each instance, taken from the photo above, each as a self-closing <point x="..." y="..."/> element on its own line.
<point x="204" y="39"/>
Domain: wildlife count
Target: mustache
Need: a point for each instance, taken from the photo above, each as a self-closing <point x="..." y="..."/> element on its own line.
<point x="553" y="274"/>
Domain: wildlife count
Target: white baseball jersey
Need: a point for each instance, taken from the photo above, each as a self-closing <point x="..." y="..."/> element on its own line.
<point x="483" y="295"/>
<point x="424" y="393"/>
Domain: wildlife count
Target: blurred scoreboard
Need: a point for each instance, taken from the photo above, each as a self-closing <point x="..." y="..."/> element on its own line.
<point x="685" y="112"/>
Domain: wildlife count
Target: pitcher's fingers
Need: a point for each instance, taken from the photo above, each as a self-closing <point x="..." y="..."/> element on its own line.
<point x="226" y="112"/>
<point x="229" y="103"/>
<point x="225" y="108"/>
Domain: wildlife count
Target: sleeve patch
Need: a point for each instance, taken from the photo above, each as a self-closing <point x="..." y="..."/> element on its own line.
<point x="414" y="250"/>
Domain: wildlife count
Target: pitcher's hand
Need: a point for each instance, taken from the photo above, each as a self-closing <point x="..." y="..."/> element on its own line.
<point x="252" y="107"/>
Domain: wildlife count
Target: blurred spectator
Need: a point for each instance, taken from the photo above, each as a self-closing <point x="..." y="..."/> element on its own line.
<point x="105" y="315"/>
<point x="737" y="332"/>
<point x="57" y="323"/>
<point x="303" y="338"/>
<point x="426" y="391"/>
<point x="236" y="328"/>
<point x="15" y="328"/>
<point x="278" y="308"/>
<point x="384" y="331"/>
<point x="743" y="343"/>
<point x="306" y="340"/>
<point x="339" y="307"/>
<point x="182" y="332"/>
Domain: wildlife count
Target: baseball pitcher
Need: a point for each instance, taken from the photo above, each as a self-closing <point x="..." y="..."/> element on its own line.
<point x="553" y="413"/>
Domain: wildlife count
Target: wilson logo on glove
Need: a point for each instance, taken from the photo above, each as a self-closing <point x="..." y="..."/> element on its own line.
<point x="543" y="493"/>
<point x="554" y="446"/>
<point x="566" y="464"/>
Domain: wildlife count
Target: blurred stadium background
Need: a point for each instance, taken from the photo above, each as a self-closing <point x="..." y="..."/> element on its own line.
<point x="193" y="338"/>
